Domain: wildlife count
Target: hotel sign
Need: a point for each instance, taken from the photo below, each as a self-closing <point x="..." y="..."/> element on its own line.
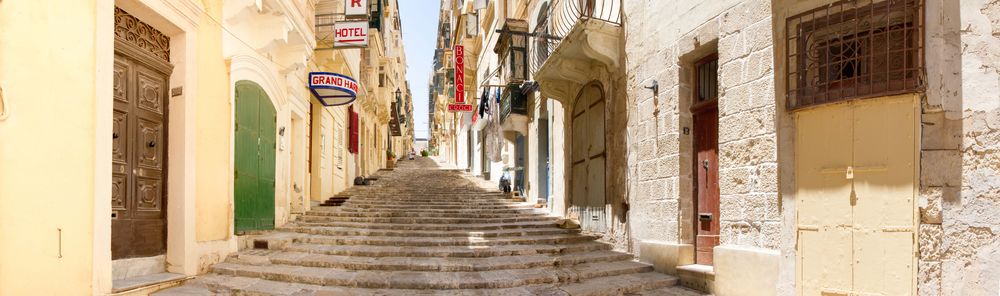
<point x="350" y="34"/>
<point x="333" y="89"/>
<point x="459" y="74"/>
<point x="356" y="7"/>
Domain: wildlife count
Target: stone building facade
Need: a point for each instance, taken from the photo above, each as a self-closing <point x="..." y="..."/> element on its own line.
<point x="751" y="145"/>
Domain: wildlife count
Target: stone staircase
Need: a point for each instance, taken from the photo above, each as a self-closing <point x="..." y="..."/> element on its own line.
<point x="425" y="231"/>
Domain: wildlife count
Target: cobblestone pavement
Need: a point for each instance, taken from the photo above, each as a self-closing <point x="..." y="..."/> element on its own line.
<point x="422" y="230"/>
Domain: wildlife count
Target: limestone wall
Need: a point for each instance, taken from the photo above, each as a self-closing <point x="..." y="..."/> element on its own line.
<point x="660" y="151"/>
<point x="959" y="183"/>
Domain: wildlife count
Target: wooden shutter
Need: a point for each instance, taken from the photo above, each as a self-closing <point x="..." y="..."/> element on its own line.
<point x="353" y="141"/>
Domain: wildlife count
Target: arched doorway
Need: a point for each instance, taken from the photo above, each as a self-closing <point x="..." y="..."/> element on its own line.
<point x="255" y="158"/>
<point x="588" y="159"/>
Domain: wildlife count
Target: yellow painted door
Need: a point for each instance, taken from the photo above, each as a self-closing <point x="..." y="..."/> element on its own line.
<point x="855" y="176"/>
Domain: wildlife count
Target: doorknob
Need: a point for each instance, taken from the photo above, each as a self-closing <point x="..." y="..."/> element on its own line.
<point x="151" y="144"/>
<point x="704" y="163"/>
<point x="114" y="135"/>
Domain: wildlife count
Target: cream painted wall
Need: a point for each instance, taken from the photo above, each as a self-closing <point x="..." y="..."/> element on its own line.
<point x="48" y="157"/>
<point x="213" y="183"/>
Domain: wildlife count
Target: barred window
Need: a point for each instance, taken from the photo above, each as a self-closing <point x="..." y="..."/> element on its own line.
<point x="855" y="49"/>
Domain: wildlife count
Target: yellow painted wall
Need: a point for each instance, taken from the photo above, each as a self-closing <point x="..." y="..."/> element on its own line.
<point x="48" y="73"/>
<point x="213" y="183"/>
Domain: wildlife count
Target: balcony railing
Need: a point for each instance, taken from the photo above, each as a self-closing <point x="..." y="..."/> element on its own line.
<point x="557" y="20"/>
<point x="513" y="101"/>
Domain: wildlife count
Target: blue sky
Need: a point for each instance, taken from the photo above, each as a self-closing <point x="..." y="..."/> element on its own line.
<point x="419" y="23"/>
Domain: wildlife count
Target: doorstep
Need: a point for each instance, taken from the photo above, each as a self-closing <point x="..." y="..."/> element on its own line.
<point x="697" y="276"/>
<point x="142" y="285"/>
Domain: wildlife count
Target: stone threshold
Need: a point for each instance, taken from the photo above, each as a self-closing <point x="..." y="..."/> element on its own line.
<point x="147" y="283"/>
<point x="700" y="269"/>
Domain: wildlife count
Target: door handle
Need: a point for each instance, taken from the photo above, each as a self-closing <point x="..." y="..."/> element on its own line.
<point x="114" y="135"/>
<point x="704" y="164"/>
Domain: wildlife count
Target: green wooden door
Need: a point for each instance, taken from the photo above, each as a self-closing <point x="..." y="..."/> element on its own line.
<point x="255" y="149"/>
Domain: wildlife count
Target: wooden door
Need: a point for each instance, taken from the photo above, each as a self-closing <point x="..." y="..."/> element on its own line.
<point x="855" y="186"/>
<point x="139" y="145"/>
<point x="588" y="169"/>
<point x="706" y="141"/>
<point x="255" y="158"/>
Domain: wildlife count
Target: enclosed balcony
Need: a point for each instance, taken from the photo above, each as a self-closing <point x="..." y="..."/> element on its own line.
<point x="573" y="39"/>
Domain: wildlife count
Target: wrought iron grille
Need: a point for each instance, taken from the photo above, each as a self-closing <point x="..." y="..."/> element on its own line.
<point x="854" y="49"/>
<point x="557" y="18"/>
<point x="133" y="31"/>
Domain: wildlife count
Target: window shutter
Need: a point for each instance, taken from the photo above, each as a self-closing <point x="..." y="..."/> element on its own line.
<point x="353" y="121"/>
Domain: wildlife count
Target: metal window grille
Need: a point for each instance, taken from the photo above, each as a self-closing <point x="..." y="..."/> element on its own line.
<point x="707" y="82"/>
<point x="854" y="49"/>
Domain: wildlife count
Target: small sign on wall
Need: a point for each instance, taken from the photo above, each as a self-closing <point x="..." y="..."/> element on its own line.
<point x="460" y="108"/>
<point x="350" y="34"/>
<point x="356" y="7"/>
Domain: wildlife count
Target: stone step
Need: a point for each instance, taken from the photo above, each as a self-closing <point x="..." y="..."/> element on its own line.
<point x="387" y="202"/>
<point x="612" y="285"/>
<point x="523" y="210"/>
<point x="449" y="251"/>
<point x="343" y="231"/>
<point x="483" y="214"/>
<point x="438" y="264"/>
<point x="425" y="220"/>
<point x="445" y="241"/>
<point x="431" y="280"/>
<point x="436" y="207"/>
<point x="440" y="227"/>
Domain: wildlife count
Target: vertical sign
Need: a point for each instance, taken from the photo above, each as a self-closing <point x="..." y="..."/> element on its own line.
<point x="459" y="74"/>
<point x="355" y="7"/>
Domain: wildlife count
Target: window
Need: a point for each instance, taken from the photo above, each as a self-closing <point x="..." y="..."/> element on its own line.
<point x="707" y="79"/>
<point x="854" y="49"/>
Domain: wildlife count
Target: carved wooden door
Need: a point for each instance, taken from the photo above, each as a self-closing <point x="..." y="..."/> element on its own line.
<point x="139" y="146"/>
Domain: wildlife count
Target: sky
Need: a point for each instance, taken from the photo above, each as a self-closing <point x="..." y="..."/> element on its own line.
<point x="419" y="24"/>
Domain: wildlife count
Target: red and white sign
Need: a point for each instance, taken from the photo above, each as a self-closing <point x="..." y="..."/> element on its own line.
<point x="350" y="34"/>
<point x="355" y="7"/>
<point x="460" y="108"/>
<point x="459" y="74"/>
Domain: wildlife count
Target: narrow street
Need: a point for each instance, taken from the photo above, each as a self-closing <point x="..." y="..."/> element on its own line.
<point x="429" y="231"/>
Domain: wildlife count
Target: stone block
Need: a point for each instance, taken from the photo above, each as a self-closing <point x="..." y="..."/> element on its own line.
<point x="929" y="242"/>
<point x="940" y="133"/>
<point x="732" y="47"/>
<point x="767" y="178"/>
<point x="731" y="74"/>
<point x="745" y="271"/>
<point x="734" y="181"/>
<point x="747" y="152"/>
<point x="731" y="208"/>
<point x="759" y="65"/>
<point x="665" y="256"/>
<point x="929" y="278"/>
<point x="759" y="35"/>
<point x="707" y="32"/>
<point x="747" y="124"/>
<point x="930" y="202"/>
<point x="668" y="167"/>
<point x="668" y="144"/>
<point x="940" y="168"/>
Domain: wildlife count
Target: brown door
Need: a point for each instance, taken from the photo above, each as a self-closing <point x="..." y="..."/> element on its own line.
<point x="706" y="133"/>
<point x="138" y="225"/>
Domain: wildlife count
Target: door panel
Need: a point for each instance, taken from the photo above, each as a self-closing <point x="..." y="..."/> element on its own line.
<point x="255" y="158"/>
<point x="595" y="126"/>
<point x="138" y="194"/>
<point x="706" y="124"/>
<point x="855" y="177"/>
